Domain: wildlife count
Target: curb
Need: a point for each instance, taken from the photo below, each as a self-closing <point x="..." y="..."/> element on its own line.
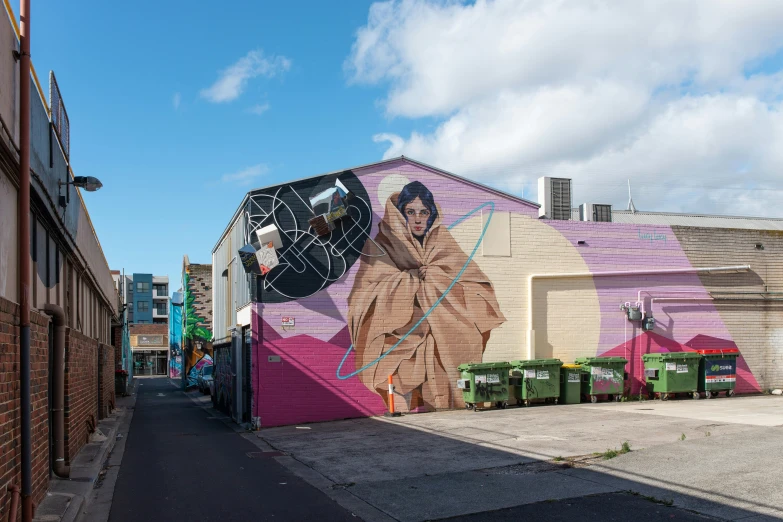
<point x="68" y="499"/>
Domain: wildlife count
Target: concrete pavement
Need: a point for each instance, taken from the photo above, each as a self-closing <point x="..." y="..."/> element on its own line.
<point x="437" y="465"/>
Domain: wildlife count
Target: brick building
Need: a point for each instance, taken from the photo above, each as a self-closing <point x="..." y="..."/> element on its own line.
<point x="69" y="275"/>
<point x="429" y="270"/>
<point x="196" y="320"/>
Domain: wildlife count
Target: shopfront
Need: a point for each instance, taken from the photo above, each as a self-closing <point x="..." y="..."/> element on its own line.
<point x="150" y="351"/>
<point x="150" y="362"/>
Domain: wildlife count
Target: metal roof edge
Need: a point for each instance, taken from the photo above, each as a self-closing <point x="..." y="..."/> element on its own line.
<point x="690" y="214"/>
<point x="367" y="166"/>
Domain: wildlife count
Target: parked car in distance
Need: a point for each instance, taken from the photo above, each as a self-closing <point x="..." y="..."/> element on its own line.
<point x="204" y="378"/>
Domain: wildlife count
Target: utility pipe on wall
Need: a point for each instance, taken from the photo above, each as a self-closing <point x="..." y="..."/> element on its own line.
<point x="58" y="391"/>
<point x="531" y="334"/>
<point x="23" y="237"/>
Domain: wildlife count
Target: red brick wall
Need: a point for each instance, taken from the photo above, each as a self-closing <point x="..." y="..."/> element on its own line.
<point x="81" y="390"/>
<point x="116" y="340"/>
<point x="107" y="379"/>
<point x="10" y="428"/>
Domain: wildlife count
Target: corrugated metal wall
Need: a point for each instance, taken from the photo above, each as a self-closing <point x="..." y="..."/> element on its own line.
<point x="231" y="286"/>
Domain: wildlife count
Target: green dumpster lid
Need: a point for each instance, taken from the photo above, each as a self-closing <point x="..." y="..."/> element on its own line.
<point x="471" y="367"/>
<point x="536" y="362"/>
<point x="671" y="355"/>
<point x="600" y="360"/>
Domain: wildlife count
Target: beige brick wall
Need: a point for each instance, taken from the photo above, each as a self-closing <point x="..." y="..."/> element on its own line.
<point x="566" y="316"/>
<point x="755" y="321"/>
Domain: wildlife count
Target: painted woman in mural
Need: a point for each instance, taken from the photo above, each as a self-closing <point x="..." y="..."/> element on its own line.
<point x="393" y="292"/>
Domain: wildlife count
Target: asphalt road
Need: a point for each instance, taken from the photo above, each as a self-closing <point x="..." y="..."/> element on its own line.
<point x="609" y="507"/>
<point x="181" y="465"/>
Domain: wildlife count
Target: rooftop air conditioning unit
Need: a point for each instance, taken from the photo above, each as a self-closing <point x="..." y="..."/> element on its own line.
<point x="595" y="212"/>
<point x="554" y="195"/>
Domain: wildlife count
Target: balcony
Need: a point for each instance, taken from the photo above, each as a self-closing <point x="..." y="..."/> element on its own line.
<point x="157" y="312"/>
<point x="159" y="295"/>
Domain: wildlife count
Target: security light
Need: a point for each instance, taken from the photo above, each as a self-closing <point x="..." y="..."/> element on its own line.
<point x="88" y="183"/>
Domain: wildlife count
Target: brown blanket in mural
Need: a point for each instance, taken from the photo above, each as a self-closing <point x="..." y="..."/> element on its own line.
<point x="389" y="297"/>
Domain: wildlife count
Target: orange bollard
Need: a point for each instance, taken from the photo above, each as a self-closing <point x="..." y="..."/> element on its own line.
<point x="391" y="412"/>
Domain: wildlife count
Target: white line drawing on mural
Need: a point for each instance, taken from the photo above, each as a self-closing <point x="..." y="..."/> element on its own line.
<point x="292" y="256"/>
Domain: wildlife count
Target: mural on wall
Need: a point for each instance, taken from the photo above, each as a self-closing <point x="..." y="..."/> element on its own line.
<point x="418" y="299"/>
<point x="308" y="263"/>
<point x="402" y="322"/>
<point x="196" y="337"/>
<point x="175" y="340"/>
<point x="195" y="369"/>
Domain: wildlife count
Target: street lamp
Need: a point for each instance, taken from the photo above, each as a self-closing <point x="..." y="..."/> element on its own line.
<point x="88" y="183"/>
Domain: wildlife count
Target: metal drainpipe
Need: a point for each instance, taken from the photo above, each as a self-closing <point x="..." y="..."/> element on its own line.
<point x="23" y="206"/>
<point x="531" y="334"/>
<point x="58" y="392"/>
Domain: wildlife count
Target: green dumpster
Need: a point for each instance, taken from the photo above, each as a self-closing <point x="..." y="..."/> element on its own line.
<point x="536" y="379"/>
<point x="484" y="382"/>
<point x="602" y="376"/>
<point x="718" y="371"/>
<point x="570" y="384"/>
<point x="671" y="373"/>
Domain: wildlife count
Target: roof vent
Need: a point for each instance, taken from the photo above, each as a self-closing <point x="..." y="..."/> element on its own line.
<point x="595" y="212"/>
<point x="554" y="195"/>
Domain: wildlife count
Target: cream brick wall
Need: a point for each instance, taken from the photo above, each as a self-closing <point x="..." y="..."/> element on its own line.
<point x="755" y="322"/>
<point x="566" y="314"/>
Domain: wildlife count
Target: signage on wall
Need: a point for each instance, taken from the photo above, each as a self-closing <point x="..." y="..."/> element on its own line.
<point x="287" y="322"/>
<point x="150" y="340"/>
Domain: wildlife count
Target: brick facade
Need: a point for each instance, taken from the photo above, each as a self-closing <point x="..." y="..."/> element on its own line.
<point x="81" y="390"/>
<point x="10" y="427"/>
<point x="107" y="380"/>
<point x="116" y="341"/>
<point x="200" y="286"/>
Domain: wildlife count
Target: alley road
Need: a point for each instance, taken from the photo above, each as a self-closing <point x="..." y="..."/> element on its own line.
<point x="181" y="465"/>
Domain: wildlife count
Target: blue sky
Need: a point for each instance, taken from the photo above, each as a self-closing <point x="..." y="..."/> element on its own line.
<point x="121" y="64"/>
<point x="181" y="107"/>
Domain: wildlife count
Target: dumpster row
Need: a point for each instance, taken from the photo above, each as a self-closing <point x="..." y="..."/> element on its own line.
<point x="549" y="380"/>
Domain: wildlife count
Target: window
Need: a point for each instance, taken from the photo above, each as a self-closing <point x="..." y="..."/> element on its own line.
<point x="142" y="287"/>
<point x="161" y="308"/>
<point x="143" y="306"/>
<point x="160" y="290"/>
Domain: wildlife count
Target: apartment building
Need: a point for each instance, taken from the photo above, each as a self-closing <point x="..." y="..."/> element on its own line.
<point x="148" y="306"/>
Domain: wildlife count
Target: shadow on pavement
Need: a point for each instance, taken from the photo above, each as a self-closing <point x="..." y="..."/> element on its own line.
<point x="415" y="474"/>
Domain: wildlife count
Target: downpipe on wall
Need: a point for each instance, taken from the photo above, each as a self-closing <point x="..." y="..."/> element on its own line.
<point x="23" y="237"/>
<point x="58" y="390"/>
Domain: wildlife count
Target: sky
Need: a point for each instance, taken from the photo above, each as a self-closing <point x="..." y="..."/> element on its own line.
<point x="180" y="108"/>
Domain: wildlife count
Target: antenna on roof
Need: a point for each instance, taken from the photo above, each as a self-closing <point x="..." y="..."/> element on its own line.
<point x="631" y="206"/>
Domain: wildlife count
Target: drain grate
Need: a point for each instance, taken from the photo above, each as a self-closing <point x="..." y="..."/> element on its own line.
<point x="265" y="454"/>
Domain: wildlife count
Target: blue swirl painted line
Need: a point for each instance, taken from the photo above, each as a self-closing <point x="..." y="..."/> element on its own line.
<point x="491" y="205"/>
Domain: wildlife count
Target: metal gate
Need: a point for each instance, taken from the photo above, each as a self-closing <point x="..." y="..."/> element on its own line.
<point x="247" y="389"/>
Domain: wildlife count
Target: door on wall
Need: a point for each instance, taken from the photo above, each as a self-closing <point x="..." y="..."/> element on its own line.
<point x="247" y="389"/>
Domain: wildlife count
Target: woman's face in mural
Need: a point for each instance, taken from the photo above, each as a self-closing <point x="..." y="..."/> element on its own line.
<point x="416" y="214"/>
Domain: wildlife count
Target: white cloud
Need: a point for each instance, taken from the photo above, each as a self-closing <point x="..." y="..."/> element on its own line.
<point x="245" y="176"/>
<point x="600" y="91"/>
<point x="233" y="80"/>
<point x="176" y="100"/>
<point x="259" y="108"/>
